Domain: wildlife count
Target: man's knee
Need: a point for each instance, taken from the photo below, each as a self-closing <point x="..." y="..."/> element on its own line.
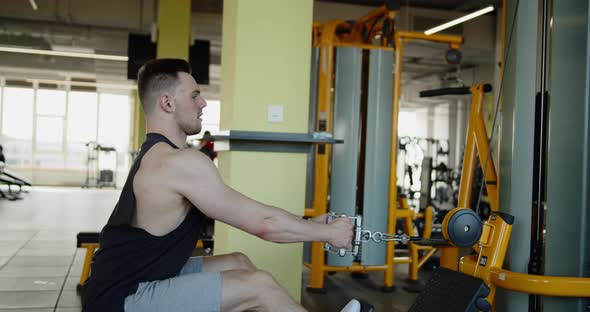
<point x="263" y="280"/>
<point x="249" y="290"/>
<point x="241" y="261"/>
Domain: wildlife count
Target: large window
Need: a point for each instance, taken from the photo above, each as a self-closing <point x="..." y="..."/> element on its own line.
<point x="114" y="128"/>
<point x="17" y="118"/>
<point x="50" y="128"/>
<point x="114" y="116"/>
<point x="50" y="108"/>
<point x="82" y="126"/>
<point x="17" y="125"/>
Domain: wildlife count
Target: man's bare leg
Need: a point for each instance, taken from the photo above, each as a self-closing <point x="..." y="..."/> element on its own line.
<point x="245" y="288"/>
<point x="254" y="291"/>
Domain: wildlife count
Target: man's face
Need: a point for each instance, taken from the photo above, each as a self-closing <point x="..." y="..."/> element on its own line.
<point x="189" y="105"/>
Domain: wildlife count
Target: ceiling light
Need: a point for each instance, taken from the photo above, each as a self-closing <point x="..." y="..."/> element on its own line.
<point x="67" y="54"/>
<point x="459" y="20"/>
<point x="33" y="4"/>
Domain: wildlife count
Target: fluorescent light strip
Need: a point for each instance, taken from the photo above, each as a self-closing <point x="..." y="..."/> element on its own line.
<point x="459" y="20"/>
<point x="33" y="4"/>
<point x="67" y="54"/>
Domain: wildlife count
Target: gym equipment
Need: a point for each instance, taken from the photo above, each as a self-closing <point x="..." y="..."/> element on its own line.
<point x="481" y="272"/>
<point x="461" y="228"/>
<point x="95" y="175"/>
<point x="454" y="291"/>
<point x="453" y="56"/>
<point x="11" y="179"/>
<point x="477" y="143"/>
<point x="347" y="47"/>
<point x="361" y="235"/>
<point x="488" y="260"/>
<point x="491" y="248"/>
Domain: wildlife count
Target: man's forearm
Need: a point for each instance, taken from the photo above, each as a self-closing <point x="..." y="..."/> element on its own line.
<point x="284" y="227"/>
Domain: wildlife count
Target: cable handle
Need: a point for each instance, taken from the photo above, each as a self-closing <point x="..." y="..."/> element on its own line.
<point x="357" y="221"/>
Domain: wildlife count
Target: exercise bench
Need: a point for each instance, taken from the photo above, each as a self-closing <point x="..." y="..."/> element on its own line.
<point x="89" y="241"/>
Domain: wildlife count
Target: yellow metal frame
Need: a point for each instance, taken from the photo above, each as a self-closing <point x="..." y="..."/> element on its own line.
<point x="477" y="144"/>
<point x="400" y="38"/>
<point x="496" y="232"/>
<point x="492" y="247"/>
<point x="340" y="33"/>
<point x="90" y="248"/>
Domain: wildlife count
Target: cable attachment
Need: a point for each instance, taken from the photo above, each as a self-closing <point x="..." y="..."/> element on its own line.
<point x="362" y="236"/>
<point x="378" y="237"/>
<point x="356" y="241"/>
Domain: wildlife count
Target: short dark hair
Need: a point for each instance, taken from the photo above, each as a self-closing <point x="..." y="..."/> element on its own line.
<point x="156" y="76"/>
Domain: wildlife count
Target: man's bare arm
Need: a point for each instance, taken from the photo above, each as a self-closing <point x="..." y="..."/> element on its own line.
<point x="196" y="178"/>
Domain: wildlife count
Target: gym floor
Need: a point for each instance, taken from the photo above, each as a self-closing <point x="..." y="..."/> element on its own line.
<point x="40" y="265"/>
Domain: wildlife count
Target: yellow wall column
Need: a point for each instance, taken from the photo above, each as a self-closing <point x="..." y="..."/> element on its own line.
<point x="174" y="28"/>
<point x="266" y="61"/>
<point x="174" y="33"/>
<point x="139" y="123"/>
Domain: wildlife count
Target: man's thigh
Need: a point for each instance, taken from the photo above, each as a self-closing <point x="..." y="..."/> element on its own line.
<point x="188" y="292"/>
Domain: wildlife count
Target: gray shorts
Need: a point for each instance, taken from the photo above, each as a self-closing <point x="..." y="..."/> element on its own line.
<point x="190" y="290"/>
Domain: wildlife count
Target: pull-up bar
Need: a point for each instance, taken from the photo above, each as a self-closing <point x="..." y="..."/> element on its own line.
<point x="452" y="91"/>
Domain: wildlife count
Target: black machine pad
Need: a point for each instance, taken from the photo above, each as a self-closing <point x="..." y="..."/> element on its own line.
<point x="448" y="290"/>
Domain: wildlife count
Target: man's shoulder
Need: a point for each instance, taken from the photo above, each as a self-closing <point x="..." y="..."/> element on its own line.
<point x="183" y="159"/>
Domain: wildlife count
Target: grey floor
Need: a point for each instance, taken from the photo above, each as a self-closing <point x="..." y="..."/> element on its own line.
<point x="40" y="265"/>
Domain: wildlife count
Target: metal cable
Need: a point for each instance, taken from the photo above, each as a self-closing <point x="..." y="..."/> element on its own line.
<point x="497" y="109"/>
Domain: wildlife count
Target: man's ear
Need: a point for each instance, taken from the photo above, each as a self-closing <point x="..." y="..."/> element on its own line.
<point x="166" y="102"/>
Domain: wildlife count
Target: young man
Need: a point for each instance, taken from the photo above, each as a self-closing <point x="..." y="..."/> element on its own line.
<point x="144" y="263"/>
<point x="2" y="158"/>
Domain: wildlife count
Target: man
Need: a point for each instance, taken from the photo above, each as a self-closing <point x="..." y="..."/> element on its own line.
<point x="143" y="263"/>
<point x="2" y="158"/>
<point x="206" y="146"/>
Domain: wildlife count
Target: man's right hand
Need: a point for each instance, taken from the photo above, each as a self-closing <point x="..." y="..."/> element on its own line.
<point x="341" y="233"/>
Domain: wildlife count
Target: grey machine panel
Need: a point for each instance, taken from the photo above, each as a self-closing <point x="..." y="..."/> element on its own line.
<point x="567" y="245"/>
<point x="313" y="107"/>
<point x="345" y="157"/>
<point x="378" y="142"/>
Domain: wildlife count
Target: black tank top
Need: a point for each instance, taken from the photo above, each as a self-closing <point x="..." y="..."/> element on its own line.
<point x="129" y="255"/>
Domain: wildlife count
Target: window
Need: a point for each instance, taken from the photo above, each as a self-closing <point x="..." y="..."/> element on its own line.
<point x="51" y="102"/>
<point x="81" y="126"/>
<point x="17" y="126"/>
<point x="17" y="117"/>
<point x="49" y="126"/>
<point x="407" y="124"/>
<point x="114" y="127"/>
<point x="114" y="116"/>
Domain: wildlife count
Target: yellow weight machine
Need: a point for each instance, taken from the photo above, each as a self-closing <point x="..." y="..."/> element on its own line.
<point x="486" y="264"/>
<point x="376" y="30"/>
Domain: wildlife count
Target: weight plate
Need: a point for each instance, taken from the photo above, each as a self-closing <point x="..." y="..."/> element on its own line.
<point x="464" y="228"/>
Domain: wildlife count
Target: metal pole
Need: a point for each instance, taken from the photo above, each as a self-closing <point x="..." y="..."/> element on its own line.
<point x="536" y="265"/>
